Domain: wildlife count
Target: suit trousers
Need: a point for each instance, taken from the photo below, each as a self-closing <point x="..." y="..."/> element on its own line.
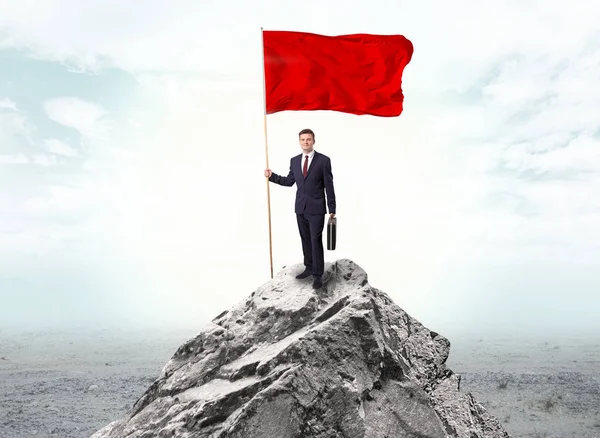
<point x="311" y="232"/>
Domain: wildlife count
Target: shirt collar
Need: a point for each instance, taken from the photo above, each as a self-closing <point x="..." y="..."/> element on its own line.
<point x="309" y="155"/>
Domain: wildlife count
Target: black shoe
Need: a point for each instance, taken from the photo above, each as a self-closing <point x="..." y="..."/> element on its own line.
<point x="318" y="283"/>
<point x="305" y="274"/>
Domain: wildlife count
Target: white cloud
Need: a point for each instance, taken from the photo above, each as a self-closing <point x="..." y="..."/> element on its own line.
<point x="6" y="103"/>
<point x="57" y="147"/>
<point x="579" y="155"/>
<point x="17" y="144"/>
<point x="45" y="160"/>
<point x="36" y="159"/>
<point x="14" y="159"/>
<point x="137" y="34"/>
<point x="58" y="199"/>
<point x="86" y="117"/>
<point x="519" y="82"/>
<point x="15" y="129"/>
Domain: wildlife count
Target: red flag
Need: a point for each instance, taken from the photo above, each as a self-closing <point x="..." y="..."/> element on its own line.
<point x="358" y="74"/>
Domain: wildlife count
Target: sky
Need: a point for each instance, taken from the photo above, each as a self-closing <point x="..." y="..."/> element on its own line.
<point x="132" y="152"/>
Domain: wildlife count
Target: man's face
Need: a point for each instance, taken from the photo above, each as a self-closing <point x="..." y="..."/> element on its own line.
<point x="306" y="142"/>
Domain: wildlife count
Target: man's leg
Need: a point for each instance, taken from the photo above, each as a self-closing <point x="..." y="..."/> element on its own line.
<point x="317" y="223"/>
<point x="304" y="228"/>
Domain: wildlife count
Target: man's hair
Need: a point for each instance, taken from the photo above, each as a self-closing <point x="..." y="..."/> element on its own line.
<point x="307" y="131"/>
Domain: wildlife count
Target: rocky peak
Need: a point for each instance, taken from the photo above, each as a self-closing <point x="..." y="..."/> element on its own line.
<point x="292" y="362"/>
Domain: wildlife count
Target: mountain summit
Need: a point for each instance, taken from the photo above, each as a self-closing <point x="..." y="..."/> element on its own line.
<point x="293" y="362"/>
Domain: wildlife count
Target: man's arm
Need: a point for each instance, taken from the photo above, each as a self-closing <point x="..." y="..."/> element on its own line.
<point x="328" y="179"/>
<point x="287" y="181"/>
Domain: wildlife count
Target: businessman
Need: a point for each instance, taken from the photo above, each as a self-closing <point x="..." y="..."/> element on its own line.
<point x="311" y="171"/>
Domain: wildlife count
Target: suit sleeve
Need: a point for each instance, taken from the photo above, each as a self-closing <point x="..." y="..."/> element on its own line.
<point x="287" y="181"/>
<point x="328" y="178"/>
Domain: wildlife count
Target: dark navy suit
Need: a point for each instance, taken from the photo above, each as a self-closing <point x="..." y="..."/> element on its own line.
<point x="310" y="205"/>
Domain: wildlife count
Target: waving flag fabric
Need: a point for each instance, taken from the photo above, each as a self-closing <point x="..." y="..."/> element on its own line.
<point x="358" y="73"/>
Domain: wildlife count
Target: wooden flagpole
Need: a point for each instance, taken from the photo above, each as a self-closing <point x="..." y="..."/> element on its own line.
<point x="266" y="148"/>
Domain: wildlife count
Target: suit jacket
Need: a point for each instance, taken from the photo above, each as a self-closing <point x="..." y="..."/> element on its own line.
<point x="310" y="192"/>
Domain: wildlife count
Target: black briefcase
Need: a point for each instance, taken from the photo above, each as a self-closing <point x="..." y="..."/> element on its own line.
<point x="331" y="233"/>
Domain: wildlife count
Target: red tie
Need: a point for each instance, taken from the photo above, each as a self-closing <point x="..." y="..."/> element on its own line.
<point x="305" y="170"/>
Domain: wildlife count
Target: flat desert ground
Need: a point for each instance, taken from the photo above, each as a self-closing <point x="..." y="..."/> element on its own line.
<point x="70" y="383"/>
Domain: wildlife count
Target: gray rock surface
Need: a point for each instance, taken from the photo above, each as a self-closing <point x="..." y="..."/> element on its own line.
<point x="289" y="361"/>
